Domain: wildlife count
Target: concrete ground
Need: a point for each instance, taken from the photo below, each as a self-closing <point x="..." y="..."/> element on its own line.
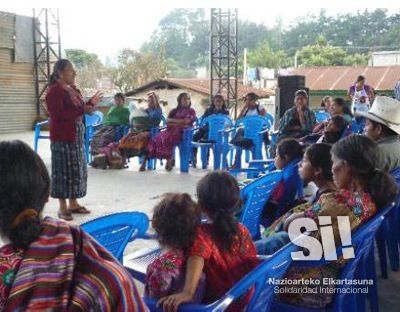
<point x="120" y="190"/>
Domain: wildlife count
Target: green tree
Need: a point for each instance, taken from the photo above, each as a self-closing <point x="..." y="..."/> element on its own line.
<point x="89" y="67"/>
<point x="135" y="69"/>
<point x="264" y="56"/>
<point x="323" y="54"/>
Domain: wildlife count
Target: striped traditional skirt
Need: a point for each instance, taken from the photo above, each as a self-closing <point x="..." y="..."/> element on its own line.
<point x="68" y="167"/>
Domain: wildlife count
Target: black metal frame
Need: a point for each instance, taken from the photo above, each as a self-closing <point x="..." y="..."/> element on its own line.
<point x="224" y="55"/>
<point x="47" y="49"/>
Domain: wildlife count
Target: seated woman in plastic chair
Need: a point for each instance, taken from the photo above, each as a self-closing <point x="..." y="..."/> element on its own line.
<point x="332" y="132"/>
<point x="217" y="107"/>
<point x="118" y="115"/>
<point x="175" y="220"/>
<point x="48" y="264"/>
<point x="251" y="108"/>
<point x="163" y="144"/>
<point x="362" y="190"/>
<point x="288" y="150"/>
<point x="222" y="249"/>
<point x="135" y="141"/>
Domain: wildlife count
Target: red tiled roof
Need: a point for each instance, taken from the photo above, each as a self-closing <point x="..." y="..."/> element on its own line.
<point x="198" y="85"/>
<point x="342" y="77"/>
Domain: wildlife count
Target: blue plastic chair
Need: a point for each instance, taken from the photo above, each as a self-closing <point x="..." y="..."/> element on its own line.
<point x="360" y="267"/>
<point x="38" y="136"/>
<point x="270" y="119"/>
<point x="388" y="236"/>
<point x="92" y="123"/>
<point x="216" y="125"/>
<point x="322" y="116"/>
<point x="255" y="195"/>
<point x="254" y="128"/>
<point x="116" y="230"/>
<point x="185" y="148"/>
<point x="261" y="300"/>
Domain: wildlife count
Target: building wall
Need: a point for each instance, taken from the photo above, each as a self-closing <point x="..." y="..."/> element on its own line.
<point x="385" y="59"/>
<point x="17" y="91"/>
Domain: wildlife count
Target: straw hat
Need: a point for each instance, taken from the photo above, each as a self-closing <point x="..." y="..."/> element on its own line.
<point x="386" y="111"/>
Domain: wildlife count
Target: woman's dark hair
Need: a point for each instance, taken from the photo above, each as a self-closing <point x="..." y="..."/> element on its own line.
<point x="290" y="149"/>
<point x="301" y="93"/>
<point x="360" y="153"/>
<point x="24" y="184"/>
<point x="59" y="66"/>
<point x="385" y="129"/>
<point x="179" y="99"/>
<point x="220" y="97"/>
<point x="340" y="123"/>
<point x="342" y="103"/>
<point x="119" y="95"/>
<point x="252" y="96"/>
<point x="219" y="197"/>
<point x="320" y="157"/>
<point x="175" y="220"/>
<point x="360" y="78"/>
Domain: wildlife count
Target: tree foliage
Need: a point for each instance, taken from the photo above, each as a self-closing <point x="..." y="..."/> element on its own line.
<point x="135" y="68"/>
<point x="89" y="67"/>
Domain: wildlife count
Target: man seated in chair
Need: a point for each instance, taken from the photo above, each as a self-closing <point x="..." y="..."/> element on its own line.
<point x="382" y="124"/>
<point x="298" y="121"/>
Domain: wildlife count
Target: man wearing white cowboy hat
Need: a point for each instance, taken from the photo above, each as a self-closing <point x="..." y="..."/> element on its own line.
<point x="383" y="126"/>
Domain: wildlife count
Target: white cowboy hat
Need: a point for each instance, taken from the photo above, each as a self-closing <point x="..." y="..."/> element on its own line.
<point x="386" y="111"/>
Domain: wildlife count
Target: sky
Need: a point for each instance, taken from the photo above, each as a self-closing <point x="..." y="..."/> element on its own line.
<point x="105" y="28"/>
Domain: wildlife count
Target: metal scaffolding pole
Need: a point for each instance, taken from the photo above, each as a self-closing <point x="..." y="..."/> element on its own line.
<point x="47" y="50"/>
<point x="224" y="55"/>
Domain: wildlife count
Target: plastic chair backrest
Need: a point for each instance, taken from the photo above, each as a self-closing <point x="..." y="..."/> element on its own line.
<point x="396" y="174"/>
<point x="114" y="231"/>
<point x="216" y="123"/>
<point x="259" y="278"/>
<point x="293" y="186"/>
<point x="94" y="119"/>
<point x="253" y="125"/>
<point x="270" y="119"/>
<point x="362" y="240"/>
<point x="322" y="116"/>
<point x="255" y="195"/>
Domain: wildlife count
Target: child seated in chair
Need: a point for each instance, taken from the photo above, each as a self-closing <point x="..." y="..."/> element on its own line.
<point x="222" y="249"/>
<point x="175" y="220"/>
<point x="288" y="150"/>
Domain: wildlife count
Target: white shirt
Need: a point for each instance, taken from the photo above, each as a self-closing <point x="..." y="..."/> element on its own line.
<point x="4" y="241"/>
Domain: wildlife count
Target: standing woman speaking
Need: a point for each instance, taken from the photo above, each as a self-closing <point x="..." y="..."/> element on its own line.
<point x="68" y="165"/>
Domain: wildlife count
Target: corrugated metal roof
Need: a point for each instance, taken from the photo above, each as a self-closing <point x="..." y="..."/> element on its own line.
<point x="198" y="85"/>
<point x="17" y="94"/>
<point x="342" y="77"/>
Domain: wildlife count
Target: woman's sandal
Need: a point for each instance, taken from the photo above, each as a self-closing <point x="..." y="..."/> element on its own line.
<point x="67" y="216"/>
<point x="79" y="210"/>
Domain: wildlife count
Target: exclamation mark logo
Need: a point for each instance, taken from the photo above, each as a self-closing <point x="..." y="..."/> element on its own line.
<point x="345" y="236"/>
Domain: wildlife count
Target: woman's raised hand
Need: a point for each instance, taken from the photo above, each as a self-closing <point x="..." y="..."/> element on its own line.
<point x="96" y="98"/>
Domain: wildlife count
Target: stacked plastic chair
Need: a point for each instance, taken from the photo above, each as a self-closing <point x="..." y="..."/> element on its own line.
<point x="115" y="231"/>
<point x="92" y="123"/>
<point x="38" y="135"/>
<point x="254" y="128"/>
<point x="216" y="125"/>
